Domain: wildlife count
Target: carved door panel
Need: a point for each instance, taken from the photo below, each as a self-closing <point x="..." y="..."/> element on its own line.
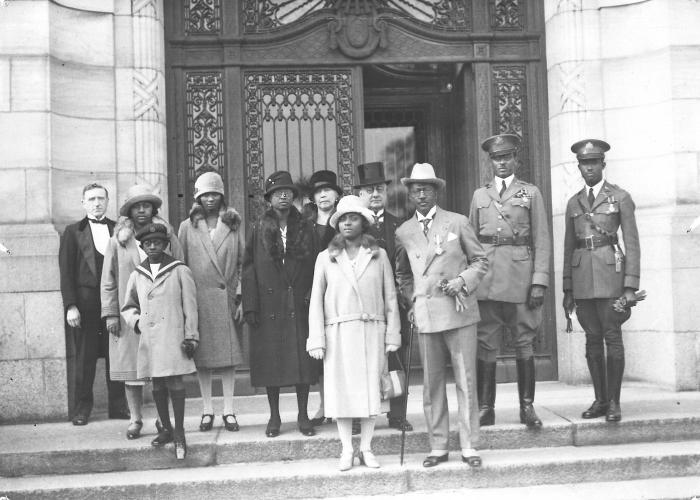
<point x="300" y="120"/>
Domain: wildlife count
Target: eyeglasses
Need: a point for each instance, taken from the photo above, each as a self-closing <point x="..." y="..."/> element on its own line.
<point x="282" y="193"/>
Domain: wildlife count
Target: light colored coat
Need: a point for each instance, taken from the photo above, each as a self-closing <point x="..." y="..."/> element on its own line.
<point x="512" y="269"/>
<point x="166" y="311"/>
<point x="421" y="264"/>
<point x="121" y="258"/>
<point x="591" y="274"/>
<point x="215" y="263"/>
<point x="353" y="314"/>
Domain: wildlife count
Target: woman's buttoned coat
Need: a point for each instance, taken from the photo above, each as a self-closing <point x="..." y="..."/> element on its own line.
<point x="165" y="307"/>
<point x="215" y="261"/>
<point x="276" y="286"/>
<point x="353" y="314"/>
<point x="121" y="258"/>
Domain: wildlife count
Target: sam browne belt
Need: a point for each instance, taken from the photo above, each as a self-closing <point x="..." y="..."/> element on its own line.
<point x="505" y="240"/>
<point x="593" y="241"/>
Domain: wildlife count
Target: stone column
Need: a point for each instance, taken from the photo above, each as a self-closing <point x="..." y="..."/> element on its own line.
<point x="623" y="71"/>
<point x="68" y="116"/>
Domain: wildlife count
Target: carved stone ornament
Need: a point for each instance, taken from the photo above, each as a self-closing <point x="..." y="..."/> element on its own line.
<point x="357" y="34"/>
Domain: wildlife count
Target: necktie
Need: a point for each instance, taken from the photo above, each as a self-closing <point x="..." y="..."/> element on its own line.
<point x="103" y="220"/>
<point x="503" y="189"/>
<point x="591" y="197"/>
<point x="425" y="223"/>
<point x="377" y="219"/>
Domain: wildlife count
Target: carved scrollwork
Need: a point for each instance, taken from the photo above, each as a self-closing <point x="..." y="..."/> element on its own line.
<point x="507" y="15"/>
<point x="299" y="121"/>
<point x="510" y="109"/>
<point x="202" y="17"/>
<point x="357" y="36"/>
<point x="205" y="127"/>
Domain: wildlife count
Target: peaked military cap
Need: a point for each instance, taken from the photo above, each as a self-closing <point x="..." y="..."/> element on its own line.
<point x="501" y="143"/>
<point x="590" y="149"/>
<point x="151" y="231"/>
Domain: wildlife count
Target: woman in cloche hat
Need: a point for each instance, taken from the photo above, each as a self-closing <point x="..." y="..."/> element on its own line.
<point x="123" y="255"/>
<point x="277" y="274"/>
<point x="213" y="246"/>
<point x="353" y="324"/>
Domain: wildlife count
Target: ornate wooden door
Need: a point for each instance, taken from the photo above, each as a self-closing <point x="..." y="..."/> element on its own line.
<point x="253" y="86"/>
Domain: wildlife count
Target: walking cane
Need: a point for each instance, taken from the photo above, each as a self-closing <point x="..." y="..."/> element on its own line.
<point x="405" y="396"/>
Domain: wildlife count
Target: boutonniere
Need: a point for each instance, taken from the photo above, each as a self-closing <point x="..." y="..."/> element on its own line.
<point x="438" y="245"/>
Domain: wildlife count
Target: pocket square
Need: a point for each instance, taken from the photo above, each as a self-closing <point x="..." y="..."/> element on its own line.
<point x="451" y="236"/>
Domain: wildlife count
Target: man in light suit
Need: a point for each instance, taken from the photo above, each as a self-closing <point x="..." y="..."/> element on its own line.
<point x="372" y="189"/>
<point x="597" y="274"/>
<point x="81" y="256"/>
<point x="439" y="264"/>
<point x="509" y="216"/>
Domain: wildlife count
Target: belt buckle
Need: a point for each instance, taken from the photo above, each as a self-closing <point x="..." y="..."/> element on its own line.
<point x="494" y="239"/>
<point x="589" y="242"/>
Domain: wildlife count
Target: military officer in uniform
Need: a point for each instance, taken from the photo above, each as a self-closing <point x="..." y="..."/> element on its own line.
<point x="509" y="217"/>
<point x="597" y="273"/>
<point x="372" y="190"/>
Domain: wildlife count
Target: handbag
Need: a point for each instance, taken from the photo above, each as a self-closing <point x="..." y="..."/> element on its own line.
<point x="393" y="382"/>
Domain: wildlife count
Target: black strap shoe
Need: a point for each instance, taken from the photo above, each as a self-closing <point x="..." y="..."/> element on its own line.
<point x="433" y="460"/>
<point x="206" y="422"/>
<point x="273" y="428"/>
<point x="164" y="437"/>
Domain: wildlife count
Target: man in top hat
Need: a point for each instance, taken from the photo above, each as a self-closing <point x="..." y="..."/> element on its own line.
<point x="372" y="190"/>
<point x="509" y="217"/>
<point x="439" y="265"/>
<point x="597" y="274"/>
<point x="81" y="256"/>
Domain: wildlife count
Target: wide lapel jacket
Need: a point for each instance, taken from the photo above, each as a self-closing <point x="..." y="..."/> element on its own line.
<point x="211" y="245"/>
<point x="364" y="255"/>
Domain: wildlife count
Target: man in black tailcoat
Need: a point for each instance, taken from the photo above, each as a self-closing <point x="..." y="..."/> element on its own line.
<point x="81" y="256"/>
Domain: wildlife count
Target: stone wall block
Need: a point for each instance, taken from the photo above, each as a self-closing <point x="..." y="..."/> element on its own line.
<point x="656" y="365"/>
<point x="633" y="174"/>
<point x="30" y="84"/>
<point x="80" y="144"/>
<point x="124" y="78"/>
<point x="639" y="28"/>
<point x="82" y="37"/>
<point x="687" y="360"/>
<point x="5" y="84"/>
<point x="12" y="327"/>
<point x="45" y="325"/>
<point x="122" y="7"/>
<point x="13" y="202"/>
<point x="29" y="147"/>
<point x="24" y="28"/>
<point x="56" y="387"/>
<point x="28" y="273"/>
<point x="642" y="80"/>
<point x="38" y="195"/>
<point x="685" y="75"/>
<point x="684" y="19"/>
<point x="126" y="148"/>
<point x="686" y="124"/>
<point x="124" y="50"/>
<point x="82" y="91"/>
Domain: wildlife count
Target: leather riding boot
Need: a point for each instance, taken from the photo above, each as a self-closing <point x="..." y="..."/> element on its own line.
<point x="526" y="391"/>
<point x="616" y="367"/>
<point x="596" y="366"/>
<point x="486" y="391"/>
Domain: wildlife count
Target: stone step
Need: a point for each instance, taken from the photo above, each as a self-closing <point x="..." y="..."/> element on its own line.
<point x="60" y="448"/>
<point x="319" y="478"/>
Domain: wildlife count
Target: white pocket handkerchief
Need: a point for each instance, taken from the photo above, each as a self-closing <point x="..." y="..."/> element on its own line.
<point x="451" y="236"/>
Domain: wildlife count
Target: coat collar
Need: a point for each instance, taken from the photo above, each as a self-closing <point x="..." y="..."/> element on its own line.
<point x="364" y="257"/>
<point x="603" y="195"/>
<point x="492" y="190"/>
<point x="212" y="245"/>
<point x="168" y="264"/>
<point x="87" y="245"/>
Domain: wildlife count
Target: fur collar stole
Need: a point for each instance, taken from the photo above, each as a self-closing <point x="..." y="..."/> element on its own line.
<point x="300" y="236"/>
<point x="124" y="229"/>
<point x="337" y="245"/>
<point x="228" y="216"/>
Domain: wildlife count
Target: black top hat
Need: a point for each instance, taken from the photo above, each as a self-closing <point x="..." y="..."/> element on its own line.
<point x="280" y="180"/>
<point x="324" y="178"/>
<point x="590" y="149"/>
<point x="150" y="231"/>
<point x="370" y="174"/>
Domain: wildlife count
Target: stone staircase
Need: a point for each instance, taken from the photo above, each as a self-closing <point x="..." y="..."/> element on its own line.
<point x="653" y="453"/>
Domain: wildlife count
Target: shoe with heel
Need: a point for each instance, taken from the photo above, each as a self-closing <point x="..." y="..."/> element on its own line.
<point x="346" y="460"/>
<point x="368" y="459"/>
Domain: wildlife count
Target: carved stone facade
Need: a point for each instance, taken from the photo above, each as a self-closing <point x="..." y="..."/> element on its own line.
<point x="510" y="109"/>
<point x="202" y="17"/>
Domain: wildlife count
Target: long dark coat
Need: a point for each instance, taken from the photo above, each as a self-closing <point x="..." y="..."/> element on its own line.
<point x="277" y="286"/>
